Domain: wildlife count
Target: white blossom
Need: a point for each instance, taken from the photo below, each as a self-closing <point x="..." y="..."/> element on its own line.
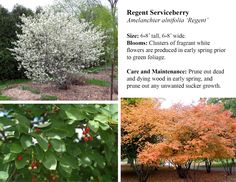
<point x="54" y="44"/>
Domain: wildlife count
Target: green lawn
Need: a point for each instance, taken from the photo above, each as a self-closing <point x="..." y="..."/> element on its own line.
<point x="3" y="97"/>
<point x="6" y="84"/>
<point x="48" y="97"/>
<point x="98" y="82"/>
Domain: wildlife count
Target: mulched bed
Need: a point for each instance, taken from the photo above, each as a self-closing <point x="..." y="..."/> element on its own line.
<point x="75" y="92"/>
<point x="169" y="175"/>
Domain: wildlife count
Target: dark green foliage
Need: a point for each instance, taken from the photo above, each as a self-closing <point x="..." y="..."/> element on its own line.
<point x="101" y="16"/>
<point x="229" y="103"/>
<point x="45" y="137"/>
<point x="132" y="101"/>
<point x="8" y="28"/>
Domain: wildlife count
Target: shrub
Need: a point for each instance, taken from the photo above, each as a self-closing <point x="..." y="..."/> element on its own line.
<point x="54" y="44"/>
<point x="77" y="79"/>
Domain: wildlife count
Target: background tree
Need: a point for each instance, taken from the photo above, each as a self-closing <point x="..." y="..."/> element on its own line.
<point x="114" y="42"/>
<point x="8" y="28"/>
<point x="229" y="104"/>
<point x="197" y="132"/>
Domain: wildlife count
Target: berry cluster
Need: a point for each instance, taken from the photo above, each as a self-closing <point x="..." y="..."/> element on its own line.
<point x="34" y="165"/>
<point x="86" y="135"/>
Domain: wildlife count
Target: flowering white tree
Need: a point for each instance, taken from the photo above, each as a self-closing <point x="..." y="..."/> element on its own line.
<point x="55" y="44"/>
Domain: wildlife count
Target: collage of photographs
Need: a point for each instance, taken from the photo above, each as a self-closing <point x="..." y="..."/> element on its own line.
<point x="63" y="120"/>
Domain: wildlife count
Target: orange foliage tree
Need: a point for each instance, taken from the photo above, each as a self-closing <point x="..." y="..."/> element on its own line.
<point x="141" y="123"/>
<point x="186" y="133"/>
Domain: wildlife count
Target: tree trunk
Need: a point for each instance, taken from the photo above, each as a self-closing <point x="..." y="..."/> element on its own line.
<point x="228" y="165"/>
<point x="142" y="171"/>
<point x="183" y="171"/>
<point x="208" y="165"/>
<point x="112" y="77"/>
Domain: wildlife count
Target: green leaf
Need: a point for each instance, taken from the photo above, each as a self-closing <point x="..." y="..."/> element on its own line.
<point x="69" y="160"/>
<point x="85" y="161"/>
<point x="21" y="163"/>
<point x="22" y="119"/>
<point x="113" y="108"/>
<point x="94" y="125"/>
<point x="90" y="109"/>
<point x="66" y="167"/>
<point x="101" y="118"/>
<point x="3" y="175"/>
<point x="15" y="148"/>
<point x="26" y="141"/>
<point x="1" y="127"/>
<point x="6" y="121"/>
<point x="44" y="125"/>
<point x="56" y="134"/>
<point x="104" y="126"/>
<point x="23" y="124"/>
<point x="73" y="148"/>
<point x="74" y="114"/>
<point x="50" y="161"/>
<point x="9" y="157"/>
<point x="58" y="145"/>
<point x="43" y="143"/>
<point x="99" y="159"/>
<point x="39" y="153"/>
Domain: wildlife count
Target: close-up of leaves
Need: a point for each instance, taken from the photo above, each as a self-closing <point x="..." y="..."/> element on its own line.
<point x="58" y="143"/>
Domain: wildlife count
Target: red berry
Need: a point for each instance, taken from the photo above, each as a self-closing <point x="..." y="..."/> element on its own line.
<point x="84" y="132"/>
<point x="87" y="129"/>
<point x="20" y="158"/>
<point x="86" y="139"/>
<point x="34" y="165"/>
<point x="52" y="178"/>
<point x="91" y="138"/>
<point x="37" y="130"/>
<point x="49" y="145"/>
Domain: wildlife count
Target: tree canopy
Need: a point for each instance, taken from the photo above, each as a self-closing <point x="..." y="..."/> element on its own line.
<point x="180" y="134"/>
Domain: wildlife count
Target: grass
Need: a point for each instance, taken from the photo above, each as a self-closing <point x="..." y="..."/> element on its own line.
<point x="96" y="69"/>
<point x="7" y="83"/>
<point x="33" y="90"/>
<point x="219" y="163"/>
<point x="97" y="82"/>
<point x="3" y="97"/>
<point x="48" y="97"/>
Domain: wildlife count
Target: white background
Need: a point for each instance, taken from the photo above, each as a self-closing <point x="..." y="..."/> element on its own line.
<point x="220" y="30"/>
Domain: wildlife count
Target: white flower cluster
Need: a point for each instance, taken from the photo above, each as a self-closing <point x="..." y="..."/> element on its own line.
<point x="54" y="44"/>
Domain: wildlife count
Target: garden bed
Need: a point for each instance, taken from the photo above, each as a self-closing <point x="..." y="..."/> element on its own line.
<point x="97" y="87"/>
